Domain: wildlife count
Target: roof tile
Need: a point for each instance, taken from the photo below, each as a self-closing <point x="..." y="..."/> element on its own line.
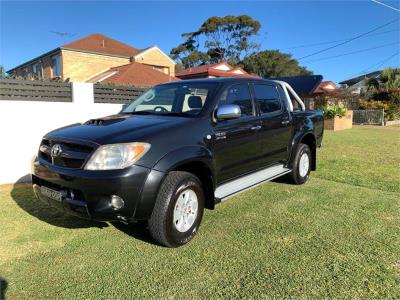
<point x="136" y="74"/>
<point x="99" y="43"/>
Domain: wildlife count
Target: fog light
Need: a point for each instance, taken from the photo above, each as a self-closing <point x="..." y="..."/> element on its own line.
<point x="117" y="202"/>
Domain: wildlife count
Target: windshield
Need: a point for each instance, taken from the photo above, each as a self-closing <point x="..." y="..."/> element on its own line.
<point x="183" y="99"/>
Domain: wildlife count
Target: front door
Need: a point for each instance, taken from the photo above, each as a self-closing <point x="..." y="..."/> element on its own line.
<point x="276" y="124"/>
<point x="236" y="142"/>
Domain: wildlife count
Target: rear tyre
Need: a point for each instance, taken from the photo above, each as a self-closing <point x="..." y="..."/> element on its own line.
<point x="178" y="210"/>
<point x="301" y="165"/>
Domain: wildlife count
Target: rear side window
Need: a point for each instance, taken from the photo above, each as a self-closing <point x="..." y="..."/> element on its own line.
<point x="240" y="95"/>
<point x="267" y="98"/>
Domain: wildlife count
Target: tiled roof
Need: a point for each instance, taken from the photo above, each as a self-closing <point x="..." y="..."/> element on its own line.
<point x="99" y="43"/>
<point x="199" y="69"/>
<point x="211" y="70"/>
<point x="325" y="87"/>
<point x="134" y="73"/>
<point x="219" y="73"/>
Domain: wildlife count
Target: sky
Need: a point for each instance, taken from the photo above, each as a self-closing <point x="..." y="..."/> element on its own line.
<point x="27" y="28"/>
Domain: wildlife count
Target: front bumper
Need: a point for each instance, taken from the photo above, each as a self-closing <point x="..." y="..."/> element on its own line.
<point x="87" y="194"/>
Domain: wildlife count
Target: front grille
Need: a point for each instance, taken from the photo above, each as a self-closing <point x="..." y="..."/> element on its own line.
<point x="72" y="155"/>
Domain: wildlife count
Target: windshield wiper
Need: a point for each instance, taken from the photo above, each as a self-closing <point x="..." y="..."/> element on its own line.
<point x="156" y="113"/>
<point x="140" y="112"/>
<point x="176" y="114"/>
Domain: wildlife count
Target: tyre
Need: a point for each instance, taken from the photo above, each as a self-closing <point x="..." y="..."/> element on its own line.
<point x="178" y="210"/>
<point x="301" y="164"/>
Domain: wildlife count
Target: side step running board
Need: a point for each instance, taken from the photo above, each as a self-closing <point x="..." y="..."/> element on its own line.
<point x="241" y="184"/>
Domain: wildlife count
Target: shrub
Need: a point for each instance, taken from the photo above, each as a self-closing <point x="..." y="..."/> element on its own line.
<point x="332" y="111"/>
<point x="391" y="108"/>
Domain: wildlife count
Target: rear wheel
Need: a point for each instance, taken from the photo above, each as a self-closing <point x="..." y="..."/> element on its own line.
<point x="178" y="209"/>
<point x="301" y="164"/>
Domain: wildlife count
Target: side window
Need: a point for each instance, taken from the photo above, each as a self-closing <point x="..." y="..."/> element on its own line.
<point x="239" y="95"/>
<point x="267" y="98"/>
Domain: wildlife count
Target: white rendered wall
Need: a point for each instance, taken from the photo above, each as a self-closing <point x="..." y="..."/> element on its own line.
<point x="24" y="123"/>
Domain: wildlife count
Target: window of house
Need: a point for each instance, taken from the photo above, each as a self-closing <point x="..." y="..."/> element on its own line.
<point x="239" y="95"/>
<point x="37" y="70"/>
<point x="56" y="65"/>
<point x="267" y="98"/>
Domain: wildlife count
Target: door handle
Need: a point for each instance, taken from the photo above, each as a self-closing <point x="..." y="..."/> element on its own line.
<point x="285" y="122"/>
<point x="258" y="127"/>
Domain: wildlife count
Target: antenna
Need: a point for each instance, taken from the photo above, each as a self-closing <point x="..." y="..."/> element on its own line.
<point x="63" y="34"/>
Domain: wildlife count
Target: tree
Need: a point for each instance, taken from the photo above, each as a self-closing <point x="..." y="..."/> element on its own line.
<point x="388" y="80"/>
<point x="218" y="39"/>
<point x="273" y="63"/>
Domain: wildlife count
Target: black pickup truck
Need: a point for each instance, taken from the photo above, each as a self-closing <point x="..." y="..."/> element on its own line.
<point x="177" y="149"/>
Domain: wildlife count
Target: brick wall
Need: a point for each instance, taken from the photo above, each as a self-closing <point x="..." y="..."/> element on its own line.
<point x="80" y="66"/>
<point x="46" y="67"/>
<point x="156" y="58"/>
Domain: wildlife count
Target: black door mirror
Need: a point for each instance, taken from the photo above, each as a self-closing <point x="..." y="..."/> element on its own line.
<point x="228" y="111"/>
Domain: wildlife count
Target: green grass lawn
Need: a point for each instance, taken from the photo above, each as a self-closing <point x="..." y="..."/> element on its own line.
<point x="338" y="236"/>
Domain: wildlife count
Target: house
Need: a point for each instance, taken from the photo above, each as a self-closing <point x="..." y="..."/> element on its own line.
<point x="325" y="87"/>
<point x="98" y="58"/>
<point x="304" y="85"/>
<point x="309" y="87"/>
<point x="358" y="85"/>
<point x="222" y="69"/>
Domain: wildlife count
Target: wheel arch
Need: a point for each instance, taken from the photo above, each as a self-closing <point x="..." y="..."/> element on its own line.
<point x="310" y="140"/>
<point x="193" y="159"/>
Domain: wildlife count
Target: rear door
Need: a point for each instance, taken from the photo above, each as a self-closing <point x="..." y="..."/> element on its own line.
<point x="236" y="144"/>
<point x="276" y="124"/>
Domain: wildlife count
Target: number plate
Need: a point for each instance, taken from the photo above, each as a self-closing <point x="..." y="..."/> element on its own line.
<point x="55" y="195"/>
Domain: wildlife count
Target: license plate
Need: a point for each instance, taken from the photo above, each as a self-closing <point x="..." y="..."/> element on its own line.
<point x="52" y="194"/>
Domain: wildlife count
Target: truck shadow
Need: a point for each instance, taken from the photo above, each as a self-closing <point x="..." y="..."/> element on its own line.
<point x="23" y="195"/>
<point x="3" y="287"/>
<point x="137" y="230"/>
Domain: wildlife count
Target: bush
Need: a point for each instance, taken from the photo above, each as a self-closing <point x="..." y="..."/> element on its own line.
<point x="332" y="111"/>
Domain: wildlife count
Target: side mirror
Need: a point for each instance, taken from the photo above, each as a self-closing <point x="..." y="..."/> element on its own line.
<point x="228" y="111"/>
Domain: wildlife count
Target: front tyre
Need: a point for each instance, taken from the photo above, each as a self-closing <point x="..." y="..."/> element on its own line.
<point x="178" y="209"/>
<point x="301" y="164"/>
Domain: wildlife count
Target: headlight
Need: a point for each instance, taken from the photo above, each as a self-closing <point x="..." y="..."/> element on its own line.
<point x="116" y="156"/>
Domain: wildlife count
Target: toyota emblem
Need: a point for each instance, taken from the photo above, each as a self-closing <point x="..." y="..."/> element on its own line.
<point x="56" y="151"/>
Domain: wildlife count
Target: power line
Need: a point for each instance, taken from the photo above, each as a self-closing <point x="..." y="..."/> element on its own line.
<point x="352" y="52"/>
<point x="384" y="4"/>
<point x="349" y="40"/>
<point x="380" y="63"/>
<point x="335" y="41"/>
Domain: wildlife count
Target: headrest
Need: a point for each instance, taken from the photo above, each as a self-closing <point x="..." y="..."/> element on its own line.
<point x="195" y="102"/>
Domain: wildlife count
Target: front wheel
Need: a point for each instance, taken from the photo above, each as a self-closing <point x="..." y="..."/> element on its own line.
<point x="301" y="164"/>
<point x="178" y="209"/>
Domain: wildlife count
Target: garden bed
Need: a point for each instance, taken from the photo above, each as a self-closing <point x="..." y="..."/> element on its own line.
<point x="339" y="123"/>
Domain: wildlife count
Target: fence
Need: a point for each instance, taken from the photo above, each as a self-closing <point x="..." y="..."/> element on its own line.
<point x="369" y="117"/>
<point x="29" y="90"/>
<point x="30" y="109"/>
<point x="116" y="94"/>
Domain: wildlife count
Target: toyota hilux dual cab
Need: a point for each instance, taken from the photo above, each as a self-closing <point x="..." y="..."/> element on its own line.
<point x="178" y="148"/>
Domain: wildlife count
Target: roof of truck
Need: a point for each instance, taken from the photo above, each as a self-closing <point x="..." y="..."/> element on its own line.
<point x="221" y="80"/>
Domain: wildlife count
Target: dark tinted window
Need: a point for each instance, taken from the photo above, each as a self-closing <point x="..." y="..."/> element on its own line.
<point x="239" y="95"/>
<point x="267" y="98"/>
